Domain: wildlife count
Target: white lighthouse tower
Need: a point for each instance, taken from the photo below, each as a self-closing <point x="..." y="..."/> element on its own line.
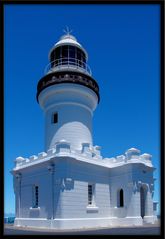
<point x="70" y="185"/>
<point x="68" y="95"/>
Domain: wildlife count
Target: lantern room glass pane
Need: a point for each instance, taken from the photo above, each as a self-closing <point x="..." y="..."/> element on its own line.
<point x="79" y="57"/>
<point x="57" y="53"/>
<point x="64" y="55"/>
<point x="72" y="54"/>
<point x="68" y="55"/>
<point x="55" y="56"/>
<point x="83" y="57"/>
<point x="52" y="58"/>
<point x="83" y="60"/>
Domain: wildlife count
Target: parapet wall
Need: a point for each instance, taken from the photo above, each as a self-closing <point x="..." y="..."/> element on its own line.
<point x="88" y="153"/>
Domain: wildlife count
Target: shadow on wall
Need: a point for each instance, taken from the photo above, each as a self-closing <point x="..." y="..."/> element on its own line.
<point x="61" y="184"/>
<point x="67" y="184"/>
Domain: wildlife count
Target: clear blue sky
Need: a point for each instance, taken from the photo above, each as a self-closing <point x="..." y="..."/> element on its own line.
<point x="123" y="46"/>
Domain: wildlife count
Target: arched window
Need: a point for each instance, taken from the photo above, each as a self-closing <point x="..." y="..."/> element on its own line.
<point x="120" y="198"/>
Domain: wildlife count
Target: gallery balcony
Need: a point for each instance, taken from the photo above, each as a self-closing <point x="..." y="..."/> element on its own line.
<point x="67" y="64"/>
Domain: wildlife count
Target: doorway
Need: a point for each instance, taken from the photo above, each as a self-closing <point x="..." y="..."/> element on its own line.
<point x="142" y="201"/>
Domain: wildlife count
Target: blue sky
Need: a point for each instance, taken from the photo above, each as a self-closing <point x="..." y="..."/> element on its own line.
<point x="122" y="42"/>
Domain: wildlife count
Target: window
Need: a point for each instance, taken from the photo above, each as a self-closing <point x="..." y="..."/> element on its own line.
<point x="35" y="196"/>
<point x="120" y="198"/>
<point x="90" y="194"/>
<point x="55" y="118"/>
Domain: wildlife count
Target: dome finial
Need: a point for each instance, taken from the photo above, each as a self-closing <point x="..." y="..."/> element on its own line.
<point x="67" y="31"/>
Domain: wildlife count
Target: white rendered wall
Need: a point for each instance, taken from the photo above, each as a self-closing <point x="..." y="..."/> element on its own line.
<point x="75" y="105"/>
<point x="144" y="178"/>
<point x="74" y="125"/>
<point x="42" y="178"/>
<point x="75" y="199"/>
<point x="70" y="198"/>
<point x="68" y="208"/>
<point x="128" y="178"/>
<point x="120" y="177"/>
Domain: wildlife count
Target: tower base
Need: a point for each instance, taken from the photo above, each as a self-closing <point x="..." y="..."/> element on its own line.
<point x="79" y="223"/>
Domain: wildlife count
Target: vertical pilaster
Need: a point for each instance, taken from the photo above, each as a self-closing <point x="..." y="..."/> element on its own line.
<point x="51" y="171"/>
<point x="148" y="202"/>
<point x="18" y="194"/>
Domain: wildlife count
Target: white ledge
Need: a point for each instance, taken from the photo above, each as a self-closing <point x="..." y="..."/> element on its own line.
<point x="34" y="208"/>
<point x="91" y="208"/>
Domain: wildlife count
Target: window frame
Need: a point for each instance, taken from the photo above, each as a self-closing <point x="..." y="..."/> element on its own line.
<point x="91" y="197"/>
<point x="35" y="196"/>
<point x="53" y="121"/>
<point x="120" y="198"/>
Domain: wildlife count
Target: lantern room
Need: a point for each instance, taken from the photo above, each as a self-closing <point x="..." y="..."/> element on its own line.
<point x="67" y="53"/>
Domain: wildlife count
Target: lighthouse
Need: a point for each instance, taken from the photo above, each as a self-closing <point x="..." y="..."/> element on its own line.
<point x="70" y="185"/>
<point x="68" y="95"/>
